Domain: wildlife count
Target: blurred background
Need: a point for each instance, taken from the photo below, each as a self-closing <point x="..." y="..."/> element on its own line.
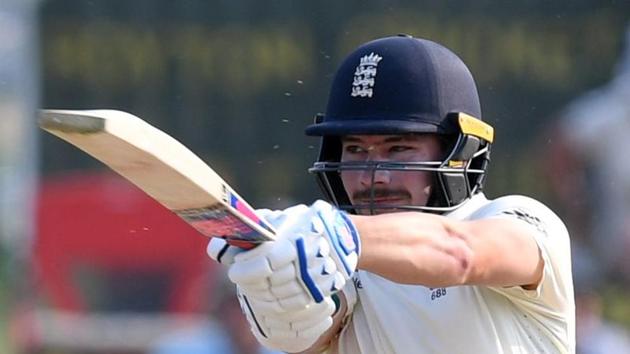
<point x="88" y="264"/>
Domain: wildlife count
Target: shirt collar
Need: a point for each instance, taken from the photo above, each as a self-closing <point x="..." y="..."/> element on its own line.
<point x="468" y="207"/>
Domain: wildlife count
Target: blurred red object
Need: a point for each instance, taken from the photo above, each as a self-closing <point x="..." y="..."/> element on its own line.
<point x="104" y="246"/>
<point x="103" y="222"/>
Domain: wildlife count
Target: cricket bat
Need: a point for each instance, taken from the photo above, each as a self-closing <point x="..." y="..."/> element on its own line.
<point x="164" y="169"/>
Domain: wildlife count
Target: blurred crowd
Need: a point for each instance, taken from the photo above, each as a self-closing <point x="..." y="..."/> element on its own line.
<point x="590" y="181"/>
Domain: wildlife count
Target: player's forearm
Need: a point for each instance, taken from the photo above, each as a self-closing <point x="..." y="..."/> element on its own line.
<point x="414" y="248"/>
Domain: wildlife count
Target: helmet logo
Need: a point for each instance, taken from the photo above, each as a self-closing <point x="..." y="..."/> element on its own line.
<point x="364" y="75"/>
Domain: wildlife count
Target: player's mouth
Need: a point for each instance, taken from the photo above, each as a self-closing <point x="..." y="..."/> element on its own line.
<point x="381" y="197"/>
<point x="388" y="200"/>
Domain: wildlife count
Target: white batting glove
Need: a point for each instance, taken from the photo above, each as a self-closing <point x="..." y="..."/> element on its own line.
<point x="315" y="254"/>
<point x="291" y="332"/>
<point x="285" y="285"/>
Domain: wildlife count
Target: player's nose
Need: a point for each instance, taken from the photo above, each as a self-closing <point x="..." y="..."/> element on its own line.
<point x="375" y="176"/>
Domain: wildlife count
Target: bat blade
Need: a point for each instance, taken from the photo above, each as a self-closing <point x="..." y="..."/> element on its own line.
<point x="164" y="169"/>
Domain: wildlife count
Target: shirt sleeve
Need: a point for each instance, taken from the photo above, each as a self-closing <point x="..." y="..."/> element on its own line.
<point x="554" y="293"/>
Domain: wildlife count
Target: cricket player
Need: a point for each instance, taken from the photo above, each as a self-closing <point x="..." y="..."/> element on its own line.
<point x="407" y="255"/>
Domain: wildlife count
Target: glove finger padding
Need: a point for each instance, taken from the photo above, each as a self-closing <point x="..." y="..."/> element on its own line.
<point x="283" y="275"/>
<point x="292" y="303"/>
<point x="254" y="266"/>
<point x="302" y="319"/>
<point x="322" y="271"/>
<point x="256" y="276"/>
<point x="292" y="331"/>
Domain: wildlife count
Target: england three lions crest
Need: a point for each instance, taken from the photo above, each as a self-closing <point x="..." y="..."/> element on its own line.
<point x="364" y="75"/>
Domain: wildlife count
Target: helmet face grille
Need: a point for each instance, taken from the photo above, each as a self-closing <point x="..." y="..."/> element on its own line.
<point x="452" y="183"/>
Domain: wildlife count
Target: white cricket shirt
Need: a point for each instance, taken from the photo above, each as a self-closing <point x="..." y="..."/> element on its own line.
<point x="396" y="318"/>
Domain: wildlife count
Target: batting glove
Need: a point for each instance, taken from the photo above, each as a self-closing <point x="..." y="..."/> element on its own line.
<point x="285" y="285"/>
<point x="315" y="254"/>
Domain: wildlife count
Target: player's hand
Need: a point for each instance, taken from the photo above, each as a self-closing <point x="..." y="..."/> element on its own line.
<point x="315" y="254"/>
<point x="292" y="331"/>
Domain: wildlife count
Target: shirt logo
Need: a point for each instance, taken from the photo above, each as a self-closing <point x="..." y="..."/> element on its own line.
<point x="529" y="218"/>
<point x="437" y="293"/>
<point x="364" y="75"/>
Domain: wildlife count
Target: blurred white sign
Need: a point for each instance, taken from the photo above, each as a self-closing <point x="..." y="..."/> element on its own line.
<point x="18" y="102"/>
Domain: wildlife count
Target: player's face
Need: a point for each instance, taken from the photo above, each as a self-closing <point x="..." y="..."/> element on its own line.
<point x="391" y="188"/>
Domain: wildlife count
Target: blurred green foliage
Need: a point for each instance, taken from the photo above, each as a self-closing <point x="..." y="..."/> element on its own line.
<point x="615" y="303"/>
<point x="5" y="299"/>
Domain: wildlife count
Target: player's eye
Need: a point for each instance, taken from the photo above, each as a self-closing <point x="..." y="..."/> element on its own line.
<point x="354" y="149"/>
<point x="400" y="148"/>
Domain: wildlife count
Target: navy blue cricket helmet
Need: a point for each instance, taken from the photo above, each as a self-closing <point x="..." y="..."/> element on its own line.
<point x="405" y="85"/>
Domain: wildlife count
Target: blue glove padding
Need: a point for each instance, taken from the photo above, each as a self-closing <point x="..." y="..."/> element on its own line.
<point x="340" y="232"/>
